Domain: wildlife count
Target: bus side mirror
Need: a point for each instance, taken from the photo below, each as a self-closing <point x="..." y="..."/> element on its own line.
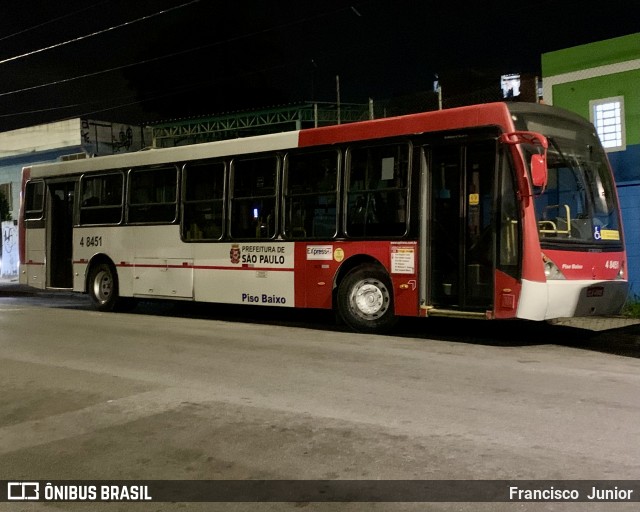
<point x="539" y="170"/>
<point x="538" y="164"/>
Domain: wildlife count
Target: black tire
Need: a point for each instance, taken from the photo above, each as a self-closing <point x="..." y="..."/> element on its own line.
<point x="103" y="287"/>
<point x="365" y="300"/>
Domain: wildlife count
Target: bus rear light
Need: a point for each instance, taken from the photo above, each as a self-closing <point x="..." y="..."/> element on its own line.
<point x="621" y="273"/>
<point x="551" y="270"/>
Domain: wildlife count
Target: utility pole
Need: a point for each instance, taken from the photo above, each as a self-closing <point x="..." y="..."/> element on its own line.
<point x="338" y="95"/>
<point x="437" y="88"/>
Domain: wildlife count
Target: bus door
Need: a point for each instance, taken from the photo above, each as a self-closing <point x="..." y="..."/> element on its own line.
<point x="460" y="231"/>
<point x="61" y="196"/>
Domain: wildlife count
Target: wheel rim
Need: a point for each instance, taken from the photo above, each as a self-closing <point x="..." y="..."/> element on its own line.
<point x="103" y="286"/>
<point x="369" y="299"/>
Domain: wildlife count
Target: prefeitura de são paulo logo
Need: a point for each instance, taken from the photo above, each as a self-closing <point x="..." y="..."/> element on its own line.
<point x="234" y="253"/>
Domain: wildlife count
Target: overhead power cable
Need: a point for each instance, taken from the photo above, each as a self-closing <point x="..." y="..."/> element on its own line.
<point x="93" y="34"/>
<point x="176" y="54"/>
<point x="54" y="20"/>
<point x="171" y="92"/>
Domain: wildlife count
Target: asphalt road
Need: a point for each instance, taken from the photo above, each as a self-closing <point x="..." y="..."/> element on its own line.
<point x="184" y="392"/>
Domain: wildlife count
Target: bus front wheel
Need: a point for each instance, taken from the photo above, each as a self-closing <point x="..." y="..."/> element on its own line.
<point x="103" y="287"/>
<point x="365" y="299"/>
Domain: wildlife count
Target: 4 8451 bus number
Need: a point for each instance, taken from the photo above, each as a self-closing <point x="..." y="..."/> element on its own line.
<point x="91" y="241"/>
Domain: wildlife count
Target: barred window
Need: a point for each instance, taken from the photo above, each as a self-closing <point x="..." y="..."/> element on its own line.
<point x="607" y="115"/>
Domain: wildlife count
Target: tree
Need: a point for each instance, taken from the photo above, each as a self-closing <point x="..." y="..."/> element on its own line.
<point x="5" y="212"/>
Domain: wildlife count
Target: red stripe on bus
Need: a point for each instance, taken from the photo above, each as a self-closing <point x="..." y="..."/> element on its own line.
<point x="267" y="269"/>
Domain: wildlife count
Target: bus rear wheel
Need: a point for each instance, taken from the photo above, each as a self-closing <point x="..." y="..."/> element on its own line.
<point x="103" y="287"/>
<point x="365" y="300"/>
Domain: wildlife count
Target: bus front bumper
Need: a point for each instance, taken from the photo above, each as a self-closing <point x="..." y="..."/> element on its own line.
<point x="565" y="298"/>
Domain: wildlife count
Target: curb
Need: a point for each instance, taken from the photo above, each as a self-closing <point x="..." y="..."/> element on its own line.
<point x="595" y="323"/>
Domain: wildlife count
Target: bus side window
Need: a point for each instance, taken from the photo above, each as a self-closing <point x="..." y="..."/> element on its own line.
<point x="253" y="198"/>
<point x="34" y="200"/>
<point x="203" y="201"/>
<point x="101" y="199"/>
<point x="509" y="237"/>
<point x="377" y="190"/>
<point x="311" y="194"/>
<point x="152" y="195"/>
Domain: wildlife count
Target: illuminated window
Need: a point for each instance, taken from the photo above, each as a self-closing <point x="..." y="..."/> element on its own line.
<point x="607" y="115"/>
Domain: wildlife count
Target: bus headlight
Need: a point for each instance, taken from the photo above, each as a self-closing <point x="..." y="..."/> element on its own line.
<point x="551" y="270"/>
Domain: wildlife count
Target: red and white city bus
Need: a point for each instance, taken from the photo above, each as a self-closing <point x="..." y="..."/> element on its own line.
<point x="501" y="210"/>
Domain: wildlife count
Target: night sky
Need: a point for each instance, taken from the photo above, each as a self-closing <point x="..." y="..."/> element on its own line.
<point x="154" y="60"/>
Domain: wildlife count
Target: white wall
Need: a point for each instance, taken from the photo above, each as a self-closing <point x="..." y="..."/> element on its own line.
<point x="40" y="138"/>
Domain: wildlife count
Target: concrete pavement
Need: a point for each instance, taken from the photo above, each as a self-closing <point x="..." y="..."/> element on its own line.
<point x="133" y="396"/>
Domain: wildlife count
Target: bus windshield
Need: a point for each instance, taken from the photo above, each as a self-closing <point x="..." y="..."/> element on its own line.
<point x="578" y="205"/>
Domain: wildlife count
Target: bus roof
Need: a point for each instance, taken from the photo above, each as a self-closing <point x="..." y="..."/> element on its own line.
<point x="489" y="114"/>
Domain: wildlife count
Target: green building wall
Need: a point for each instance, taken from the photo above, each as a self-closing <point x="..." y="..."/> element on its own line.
<point x="598" y="70"/>
<point x="575" y="96"/>
<point x="593" y="55"/>
<point x="573" y="77"/>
